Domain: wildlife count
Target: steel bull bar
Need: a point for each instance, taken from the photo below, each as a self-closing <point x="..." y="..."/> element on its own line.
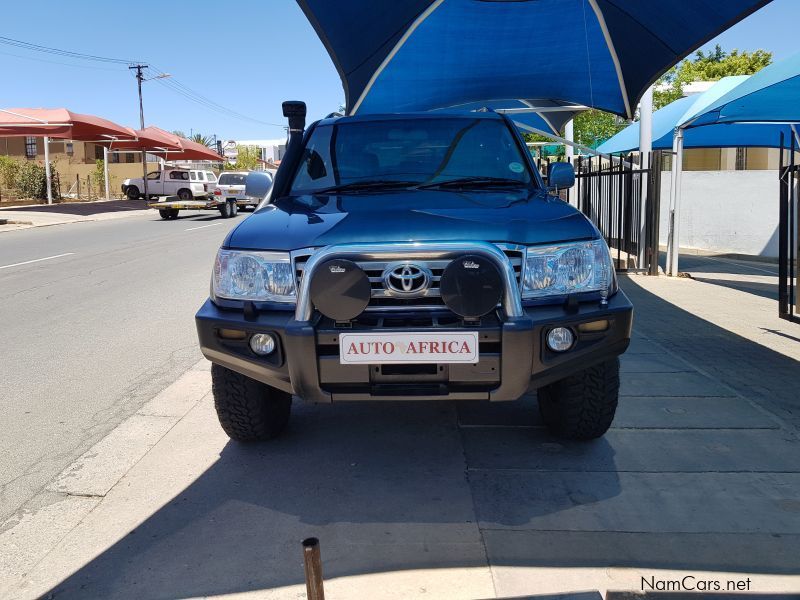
<point x="517" y="327"/>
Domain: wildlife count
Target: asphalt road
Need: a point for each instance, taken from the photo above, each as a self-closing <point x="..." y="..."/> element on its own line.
<point x="95" y="319"/>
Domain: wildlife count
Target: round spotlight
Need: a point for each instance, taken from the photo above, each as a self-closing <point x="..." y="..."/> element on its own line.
<point x="262" y="344"/>
<point x="560" y="339"/>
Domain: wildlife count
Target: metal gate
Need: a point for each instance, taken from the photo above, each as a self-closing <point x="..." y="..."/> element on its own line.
<point x="788" y="234"/>
<point x="610" y="194"/>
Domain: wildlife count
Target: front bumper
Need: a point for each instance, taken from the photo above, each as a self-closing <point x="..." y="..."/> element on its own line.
<point x="513" y="353"/>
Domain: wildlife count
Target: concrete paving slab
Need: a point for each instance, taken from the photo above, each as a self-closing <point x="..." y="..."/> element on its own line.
<point x="536" y="562"/>
<point x="663" y="412"/>
<point x="643" y="345"/>
<point x="652" y="363"/>
<point x="693" y="451"/>
<point x="633" y="412"/>
<point x="521" y="413"/>
<point x="671" y="384"/>
<point x="739" y="503"/>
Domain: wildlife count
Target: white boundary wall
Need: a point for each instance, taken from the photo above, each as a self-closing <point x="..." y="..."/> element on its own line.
<point x="726" y="211"/>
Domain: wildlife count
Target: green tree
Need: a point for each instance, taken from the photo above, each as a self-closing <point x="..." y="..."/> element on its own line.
<point x="710" y="66"/>
<point x="205" y="140"/>
<point x="593" y="127"/>
<point x="246" y="159"/>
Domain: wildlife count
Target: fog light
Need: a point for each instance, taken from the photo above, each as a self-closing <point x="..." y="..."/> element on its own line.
<point x="262" y="343"/>
<point x="560" y="339"/>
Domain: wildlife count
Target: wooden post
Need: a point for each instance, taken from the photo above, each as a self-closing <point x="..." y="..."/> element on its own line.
<point x="78" y="188"/>
<point x="313" y="567"/>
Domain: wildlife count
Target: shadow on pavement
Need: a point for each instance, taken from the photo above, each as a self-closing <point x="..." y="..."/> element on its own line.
<point x="86" y="208"/>
<point x="394" y="486"/>
<point x="765" y="290"/>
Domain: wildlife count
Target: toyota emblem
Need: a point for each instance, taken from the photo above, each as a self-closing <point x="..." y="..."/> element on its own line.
<point x="406" y="279"/>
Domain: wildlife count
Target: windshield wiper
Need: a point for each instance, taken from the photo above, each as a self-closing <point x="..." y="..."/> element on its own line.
<point x="474" y="181"/>
<point x="372" y="184"/>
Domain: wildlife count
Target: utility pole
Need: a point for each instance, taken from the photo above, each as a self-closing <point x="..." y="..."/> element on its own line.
<point x="139" y="80"/>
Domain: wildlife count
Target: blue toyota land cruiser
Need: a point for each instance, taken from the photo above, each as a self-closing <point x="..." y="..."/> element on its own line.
<point x="414" y="257"/>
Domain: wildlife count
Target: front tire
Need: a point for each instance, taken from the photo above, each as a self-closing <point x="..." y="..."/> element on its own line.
<point x="132" y="192"/>
<point x="248" y="410"/>
<point x="185" y="194"/>
<point x="582" y="406"/>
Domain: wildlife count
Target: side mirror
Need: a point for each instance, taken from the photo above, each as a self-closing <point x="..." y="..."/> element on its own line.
<point x="560" y="176"/>
<point x="257" y="184"/>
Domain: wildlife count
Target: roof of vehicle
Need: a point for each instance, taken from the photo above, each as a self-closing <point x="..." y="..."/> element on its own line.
<point x="440" y="114"/>
<point x="234" y="173"/>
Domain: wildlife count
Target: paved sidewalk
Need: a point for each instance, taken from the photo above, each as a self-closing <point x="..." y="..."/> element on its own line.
<point x="439" y="500"/>
<point x="44" y="215"/>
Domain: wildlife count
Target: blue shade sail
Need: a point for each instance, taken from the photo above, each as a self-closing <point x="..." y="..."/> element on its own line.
<point x="418" y="55"/>
<point x="685" y="111"/>
<point x="770" y="96"/>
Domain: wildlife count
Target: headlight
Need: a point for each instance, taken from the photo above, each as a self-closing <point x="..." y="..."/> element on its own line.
<point x="265" y="276"/>
<point x="567" y="269"/>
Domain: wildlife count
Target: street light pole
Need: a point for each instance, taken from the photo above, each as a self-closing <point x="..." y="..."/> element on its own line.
<point x="139" y="80"/>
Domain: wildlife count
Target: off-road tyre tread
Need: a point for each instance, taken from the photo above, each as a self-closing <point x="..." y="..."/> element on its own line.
<point x="248" y="411"/>
<point x="582" y="406"/>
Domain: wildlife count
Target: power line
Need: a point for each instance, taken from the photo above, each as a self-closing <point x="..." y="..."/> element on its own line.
<point x="188" y="93"/>
<point x="49" y="50"/>
<point x="174" y="85"/>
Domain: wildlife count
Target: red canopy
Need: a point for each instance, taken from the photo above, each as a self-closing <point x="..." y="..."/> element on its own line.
<point x="182" y="149"/>
<point x="151" y="139"/>
<point x="59" y="123"/>
<point x="193" y="151"/>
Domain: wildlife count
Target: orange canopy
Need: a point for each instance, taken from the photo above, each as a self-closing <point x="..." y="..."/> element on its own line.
<point x="59" y="123"/>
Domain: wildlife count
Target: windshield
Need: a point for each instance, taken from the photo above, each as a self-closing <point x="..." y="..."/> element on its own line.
<point x="411" y="152"/>
<point x="232" y="179"/>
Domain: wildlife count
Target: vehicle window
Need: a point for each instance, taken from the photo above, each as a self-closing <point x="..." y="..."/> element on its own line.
<point x="201" y="176"/>
<point x="210" y="176"/>
<point x="193" y="176"/>
<point x="181" y="175"/>
<point x="154" y="175"/>
<point x="415" y="150"/>
<point x="232" y="179"/>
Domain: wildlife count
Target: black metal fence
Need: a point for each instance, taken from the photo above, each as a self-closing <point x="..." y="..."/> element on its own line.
<point x="788" y="233"/>
<point x="611" y="193"/>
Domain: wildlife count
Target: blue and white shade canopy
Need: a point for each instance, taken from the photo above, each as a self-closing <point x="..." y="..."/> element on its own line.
<point x="419" y="55"/>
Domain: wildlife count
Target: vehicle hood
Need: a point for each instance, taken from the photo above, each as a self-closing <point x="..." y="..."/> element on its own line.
<point x="306" y="221"/>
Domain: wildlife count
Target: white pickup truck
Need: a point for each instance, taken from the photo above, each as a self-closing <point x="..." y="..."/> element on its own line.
<point x="186" y="184"/>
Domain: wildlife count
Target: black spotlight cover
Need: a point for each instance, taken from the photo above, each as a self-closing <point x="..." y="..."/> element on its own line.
<point x="340" y="289"/>
<point x="471" y="286"/>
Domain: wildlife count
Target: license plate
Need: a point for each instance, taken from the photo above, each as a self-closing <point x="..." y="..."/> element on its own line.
<point x="408" y="348"/>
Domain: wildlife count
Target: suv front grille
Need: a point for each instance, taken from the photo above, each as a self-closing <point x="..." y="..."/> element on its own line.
<point x="384" y="301"/>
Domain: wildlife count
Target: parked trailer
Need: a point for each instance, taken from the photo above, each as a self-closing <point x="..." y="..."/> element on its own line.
<point x="169" y="206"/>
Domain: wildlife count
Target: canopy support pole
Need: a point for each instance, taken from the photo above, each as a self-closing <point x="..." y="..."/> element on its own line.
<point x="105" y="172"/>
<point x="673" y="239"/>
<point x="645" y="148"/>
<point x="48" y="174"/>
<point x="569" y="134"/>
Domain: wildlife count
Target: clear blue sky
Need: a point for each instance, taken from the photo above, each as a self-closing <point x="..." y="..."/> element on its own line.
<point x="249" y="58"/>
